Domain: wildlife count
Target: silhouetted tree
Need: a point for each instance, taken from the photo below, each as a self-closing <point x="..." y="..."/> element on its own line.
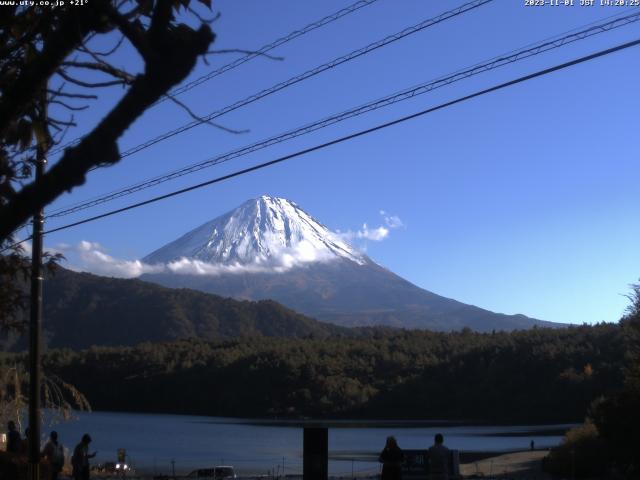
<point x="618" y="416"/>
<point x="47" y="58"/>
<point x="37" y="43"/>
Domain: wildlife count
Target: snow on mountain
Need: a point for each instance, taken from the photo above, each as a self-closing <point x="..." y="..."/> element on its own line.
<point x="263" y="233"/>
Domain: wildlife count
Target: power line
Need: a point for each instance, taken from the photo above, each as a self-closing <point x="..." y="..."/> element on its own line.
<point x="360" y="133"/>
<point x="310" y="73"/>
<point x="499" y="61"/>
<point x="250" y="56"/>
<point x="281" y="41"/>
<point x="299" y="153"/>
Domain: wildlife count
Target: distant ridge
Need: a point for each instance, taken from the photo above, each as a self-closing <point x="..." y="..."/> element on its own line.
<point x="82" y="310"/>
<point x="269" y="248"/>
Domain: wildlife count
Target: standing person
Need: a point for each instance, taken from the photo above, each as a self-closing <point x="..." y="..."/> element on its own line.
<point x="391" y="458"/>
<point x="80" y="459"/>
<point x="14" y="440"/>
<point x="54" y="453"/>
<point x="439" y="456"/>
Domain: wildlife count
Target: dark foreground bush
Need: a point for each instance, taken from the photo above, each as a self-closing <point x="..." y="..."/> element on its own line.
<point x="618" y="421"/>
<point x="582" y="454"/>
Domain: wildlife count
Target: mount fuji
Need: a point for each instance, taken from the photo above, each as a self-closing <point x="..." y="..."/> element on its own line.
<point x="264" y="234"/>
<point x="269" y="248"/>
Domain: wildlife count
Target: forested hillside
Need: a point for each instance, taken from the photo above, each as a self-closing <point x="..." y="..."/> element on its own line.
<point x="82" y="309"/>
<point x="536" y="375"/>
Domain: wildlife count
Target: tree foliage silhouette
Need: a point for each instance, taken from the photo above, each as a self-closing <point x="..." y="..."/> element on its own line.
<point x="49" y="60"/>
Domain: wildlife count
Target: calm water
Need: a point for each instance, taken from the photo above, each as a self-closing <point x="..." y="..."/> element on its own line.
<point x="153" y="441"/>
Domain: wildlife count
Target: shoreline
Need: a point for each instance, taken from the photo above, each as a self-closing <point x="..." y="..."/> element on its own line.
<point x="521" y="464"/>
<point x="153" y="442"/>
<point x="338" y="422"/>
<point x="517" y="464"/>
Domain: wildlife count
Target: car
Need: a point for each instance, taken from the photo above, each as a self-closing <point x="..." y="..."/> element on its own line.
<point x="112" y="467"/>
<point x="220" y="472"/>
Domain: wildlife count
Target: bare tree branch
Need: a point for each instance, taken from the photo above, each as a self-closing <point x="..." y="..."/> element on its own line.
<point x="109" y="52"/>
<point x="133" y="31"/>
<point x="198" y="118"/>
<point x="82" y="83"/>
<point x="208" y="21"/>
<point x="58" y="141"/>
<point x="102" y="67"/>
<point x="76" y="24"/>
<point x="72" y="95"/>
<point x="54" y="121"/>
<point x="170" y="53"/>
<point x="67" y="106"/>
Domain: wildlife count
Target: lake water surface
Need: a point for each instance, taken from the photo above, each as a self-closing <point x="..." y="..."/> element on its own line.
<point x="259" y="447"/>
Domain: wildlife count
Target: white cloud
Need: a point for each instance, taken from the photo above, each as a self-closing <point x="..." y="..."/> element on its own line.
<point x="365" y="233"/>
<point x="391" y="221"/>
<point x="302" y="253"/>
<point x="376" y="234"/>
<point x="92" y="257"/>
<point x="280" y="261"/>
<point x="97" y="261"/>
<point x="189" y="266"/>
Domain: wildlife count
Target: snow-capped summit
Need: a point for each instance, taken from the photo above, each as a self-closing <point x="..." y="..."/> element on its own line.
<point x="265" y="231"/>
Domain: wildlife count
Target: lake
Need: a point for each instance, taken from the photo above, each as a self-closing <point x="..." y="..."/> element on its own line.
<point x="152" y="441"/>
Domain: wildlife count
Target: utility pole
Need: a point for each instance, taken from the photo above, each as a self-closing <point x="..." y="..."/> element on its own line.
<point x="315" y="453"/>
<point x="35" y="321"/>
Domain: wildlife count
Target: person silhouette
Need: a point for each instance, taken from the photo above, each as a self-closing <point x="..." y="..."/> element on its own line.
<point x="53" y="451"/>
<point x="439" y="459"/>
<point x="80" y="459"/>
<point x="14" y="440"/>
<point x="391" y="458"/>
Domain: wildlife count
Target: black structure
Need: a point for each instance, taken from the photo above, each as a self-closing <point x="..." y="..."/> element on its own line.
<point x="315" y="453"/>
<point x="416" y="464"/>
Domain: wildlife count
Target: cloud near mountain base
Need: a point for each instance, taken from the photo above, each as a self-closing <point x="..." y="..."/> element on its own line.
<point x="91" y="257"/>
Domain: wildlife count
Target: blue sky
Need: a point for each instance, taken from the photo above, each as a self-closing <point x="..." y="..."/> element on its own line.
<point x="521" y="201"/>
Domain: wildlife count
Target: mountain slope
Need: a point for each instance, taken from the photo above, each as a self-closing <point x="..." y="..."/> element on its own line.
<point x="82" y="309"/>
<point x="269" y="248"/>
<point x="353" y="295"/>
